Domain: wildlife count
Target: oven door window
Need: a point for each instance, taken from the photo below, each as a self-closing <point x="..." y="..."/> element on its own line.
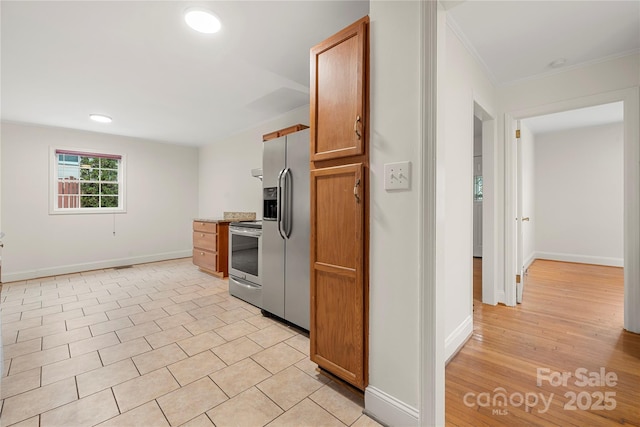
<point x="244" y="256"/>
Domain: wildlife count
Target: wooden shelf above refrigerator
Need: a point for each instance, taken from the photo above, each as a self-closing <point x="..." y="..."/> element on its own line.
<point x="283" y="132"/>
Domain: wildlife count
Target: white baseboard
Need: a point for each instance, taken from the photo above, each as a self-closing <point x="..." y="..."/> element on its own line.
<point x="529" y="261"/>
<point x="583" y="259"/>
<point x="97" y="265"/>
<point x="454" y="342"/>
<point x="389" y="410"/>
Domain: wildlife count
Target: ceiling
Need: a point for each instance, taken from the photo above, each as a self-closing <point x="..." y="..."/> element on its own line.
<point x="518" y="40"/>
<point x="138" y="62"/>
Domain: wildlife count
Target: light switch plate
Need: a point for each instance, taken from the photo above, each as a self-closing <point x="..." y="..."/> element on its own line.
<point x="397" y="176"/>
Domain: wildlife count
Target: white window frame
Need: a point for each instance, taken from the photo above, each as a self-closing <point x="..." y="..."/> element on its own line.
<point x="53" y="181"/>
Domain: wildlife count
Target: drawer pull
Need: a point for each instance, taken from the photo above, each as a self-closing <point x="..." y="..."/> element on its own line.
<point x="202" y="253"/>
<point x="201" y="234"/>
<point x="203" y="224"/>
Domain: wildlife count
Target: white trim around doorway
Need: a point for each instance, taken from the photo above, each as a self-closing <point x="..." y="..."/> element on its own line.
<point x="431" y="335"/>
<point x="631" y="99"/>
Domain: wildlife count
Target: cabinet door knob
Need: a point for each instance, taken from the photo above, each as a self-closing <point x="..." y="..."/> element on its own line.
<point x="355" y="127"/>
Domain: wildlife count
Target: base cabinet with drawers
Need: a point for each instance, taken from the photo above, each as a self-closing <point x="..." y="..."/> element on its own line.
<point x="210" y="246"/>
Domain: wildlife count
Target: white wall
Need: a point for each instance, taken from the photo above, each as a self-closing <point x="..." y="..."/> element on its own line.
<point x="607" y="76"/>
<point x="464" y="82"/>
<point x="528" y="194"/>
<point x="392" y="395"/>
<point x="225" y="167"/>
<point x="579" y="203"/>
<point x="161" y="191"/>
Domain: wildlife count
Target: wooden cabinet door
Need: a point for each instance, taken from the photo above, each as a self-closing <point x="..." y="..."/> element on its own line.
<point x="337" y="329"/>
<point x="338" y="94"/>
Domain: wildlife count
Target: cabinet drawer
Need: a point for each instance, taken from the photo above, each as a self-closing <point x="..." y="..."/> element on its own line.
<point x="205" y="259"/>
<point x="207" y="227"/>
<point x="206" y="241"/>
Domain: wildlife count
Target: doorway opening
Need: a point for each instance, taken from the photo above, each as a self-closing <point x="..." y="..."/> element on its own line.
<point x="631" y="208"/>
<point x="477" y="209"/>
<point x="484" y="210"/>
<point x="570" y="188"/>
<point x="569" y="306"/>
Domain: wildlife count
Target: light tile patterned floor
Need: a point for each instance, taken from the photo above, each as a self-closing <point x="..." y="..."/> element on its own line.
<point x="155" y="345"/>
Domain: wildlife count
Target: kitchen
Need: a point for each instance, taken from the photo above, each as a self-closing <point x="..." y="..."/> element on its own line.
<point x="120" y="226"/>
<point x="418" y="307"/>
<point x="266" y="261"/>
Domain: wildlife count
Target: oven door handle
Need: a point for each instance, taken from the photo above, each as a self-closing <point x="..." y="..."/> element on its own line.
<point x="244" y="232"/>
<point x="245" y="284"/>
<point x="279" y="203"/>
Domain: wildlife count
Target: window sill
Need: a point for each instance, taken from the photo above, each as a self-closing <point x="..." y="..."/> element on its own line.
<point x="85" y="211"/>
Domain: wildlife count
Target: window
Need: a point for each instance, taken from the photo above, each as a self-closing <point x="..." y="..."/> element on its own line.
<point x="85" y="182"/>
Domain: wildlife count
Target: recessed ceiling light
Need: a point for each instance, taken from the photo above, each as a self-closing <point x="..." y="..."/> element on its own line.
<point x="560" y="62"/>
<point x="100" y="118"/>
<point x="202" y="20"/>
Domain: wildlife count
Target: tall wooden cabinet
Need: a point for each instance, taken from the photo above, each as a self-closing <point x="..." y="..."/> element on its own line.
<point x="339" y="86"/>
<point x="340" y="203"/>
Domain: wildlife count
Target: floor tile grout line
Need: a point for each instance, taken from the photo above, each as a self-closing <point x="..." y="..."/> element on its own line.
<point x="75" y="380"/>
<point x="161" y="410"/>
<point x="208" y="417"/>
<point x="8" y="368"/>
<point x="113" y="393"/>
<point x="267" y="396"/>
<point x="324" y="409"/>
<point x="99" y="356"/>
<point x="174" y="377"/>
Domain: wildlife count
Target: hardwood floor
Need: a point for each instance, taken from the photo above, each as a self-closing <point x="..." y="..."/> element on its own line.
<point x="571" y="320"/>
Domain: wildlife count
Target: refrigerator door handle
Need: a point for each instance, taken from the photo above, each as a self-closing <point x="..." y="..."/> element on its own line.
<point x="287" y="220"/>
<point x="279" y="203"/>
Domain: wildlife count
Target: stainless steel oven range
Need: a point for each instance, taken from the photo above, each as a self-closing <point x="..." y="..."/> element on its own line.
<point x="245" y="264"/>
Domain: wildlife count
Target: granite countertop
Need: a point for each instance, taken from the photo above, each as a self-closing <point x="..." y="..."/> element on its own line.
<point x="230" y="216"/>
<point x="211" y="220"/>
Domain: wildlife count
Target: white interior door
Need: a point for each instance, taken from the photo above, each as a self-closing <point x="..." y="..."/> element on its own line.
<point x="514" y="242"/>
<point x="519" y="268"/>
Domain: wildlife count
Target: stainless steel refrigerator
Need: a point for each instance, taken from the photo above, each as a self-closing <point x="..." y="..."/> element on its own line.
<point x="285" y="228"/>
